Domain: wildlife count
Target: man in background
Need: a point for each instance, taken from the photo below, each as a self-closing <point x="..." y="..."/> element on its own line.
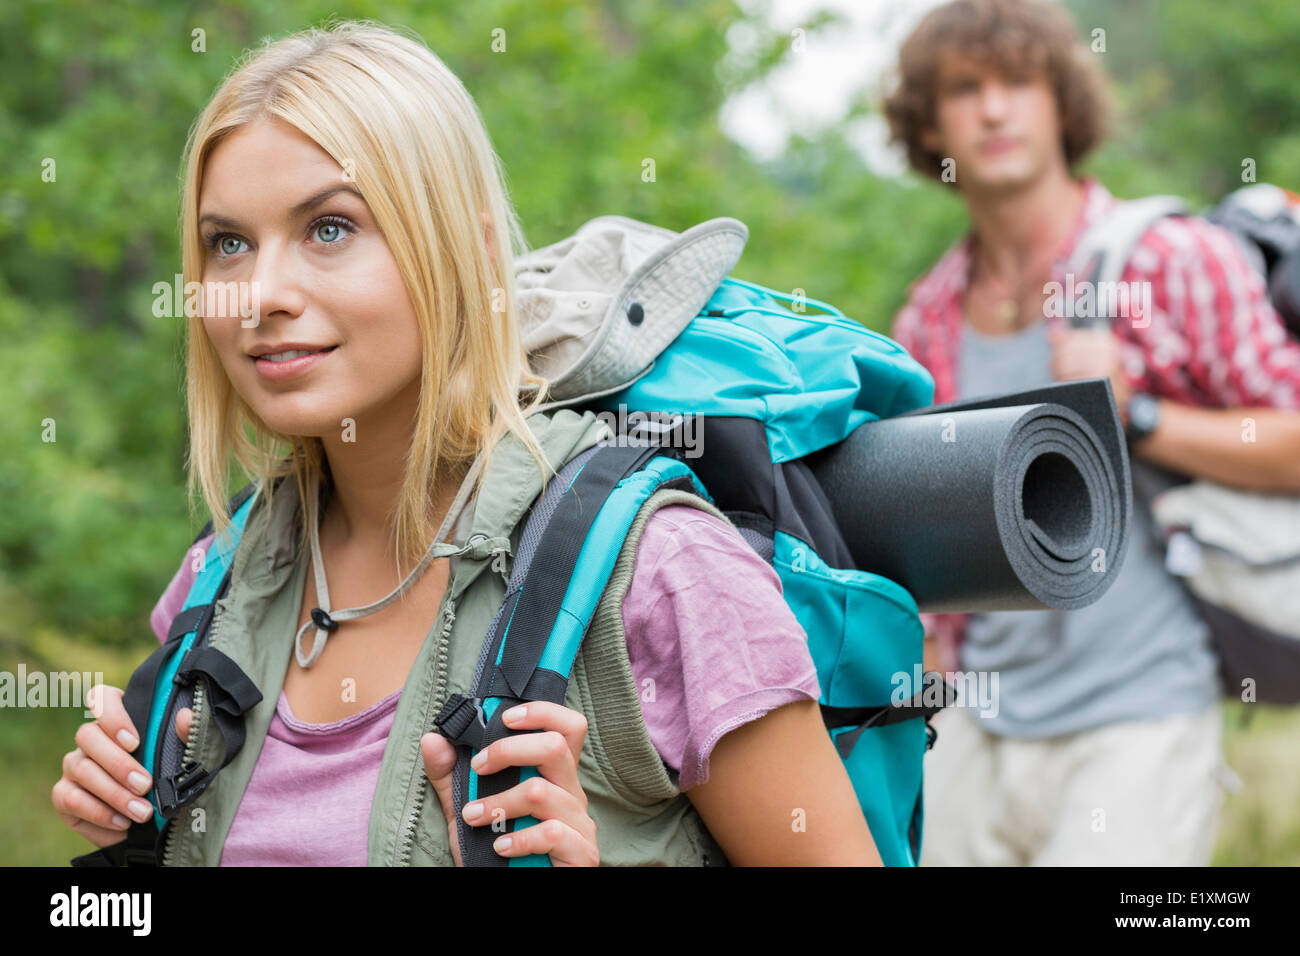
<point x="1106" y="744"/>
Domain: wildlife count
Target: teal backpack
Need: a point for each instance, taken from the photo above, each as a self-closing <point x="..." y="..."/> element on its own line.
<point x="764" y="385"/>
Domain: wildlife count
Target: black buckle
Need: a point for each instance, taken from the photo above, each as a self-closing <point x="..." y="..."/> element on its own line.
<point x="180" y="788"/>
<point x="462" y="721"/>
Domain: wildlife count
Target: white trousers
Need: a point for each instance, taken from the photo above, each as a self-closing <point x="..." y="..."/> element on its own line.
<point x="1133" y="793"/>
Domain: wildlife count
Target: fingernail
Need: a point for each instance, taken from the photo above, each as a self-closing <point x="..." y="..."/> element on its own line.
<point x="121" y="822"/>
<point x="140" y="810"/>
<point x="126" y="739"/>
<point x="503" y="844"/>
<point x="473" y="811"/>
<point x="515" y="713"/>
<point x="138" y="782"/>
<point x="477" y="762"/>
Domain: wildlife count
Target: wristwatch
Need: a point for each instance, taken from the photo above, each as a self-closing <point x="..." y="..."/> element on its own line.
<point x="1143" y="416"/>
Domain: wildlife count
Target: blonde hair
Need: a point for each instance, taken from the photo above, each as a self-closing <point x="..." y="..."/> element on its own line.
<point x="420" y="155"/>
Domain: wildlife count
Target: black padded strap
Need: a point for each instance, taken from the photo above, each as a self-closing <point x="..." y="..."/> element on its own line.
<point x="524" y="623"/>
<point x="557" y="555"/>
<point x="477" y="850"/>
<point x="137" y="699"/>
<point x="142" y="847"/>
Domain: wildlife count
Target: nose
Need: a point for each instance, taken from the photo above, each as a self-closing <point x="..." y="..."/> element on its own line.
<point x="276" y="288"/>
<point x="993" y="99"/>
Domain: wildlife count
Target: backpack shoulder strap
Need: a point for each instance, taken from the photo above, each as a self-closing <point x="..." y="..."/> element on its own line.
<point x="1104" y="249"/>
<point x="567" y="552"/>
<point x="232" y="507"/>
<point x="150" y="695"/>
<point x="185" y="653"/>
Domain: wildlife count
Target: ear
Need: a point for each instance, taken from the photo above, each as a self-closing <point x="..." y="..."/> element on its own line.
<point x="930" y="140"/>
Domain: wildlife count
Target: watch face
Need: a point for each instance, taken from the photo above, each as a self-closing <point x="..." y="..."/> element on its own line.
<point x="1143" y="413"/>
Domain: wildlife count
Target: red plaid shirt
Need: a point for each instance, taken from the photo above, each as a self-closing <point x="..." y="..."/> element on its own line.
<point x="1212" y="339"/>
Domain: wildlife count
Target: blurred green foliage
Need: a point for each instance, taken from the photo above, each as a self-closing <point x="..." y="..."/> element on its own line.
<point x="93" y="524"/>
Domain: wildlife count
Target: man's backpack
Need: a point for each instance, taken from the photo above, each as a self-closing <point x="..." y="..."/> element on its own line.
<point x="1236" y="552"/>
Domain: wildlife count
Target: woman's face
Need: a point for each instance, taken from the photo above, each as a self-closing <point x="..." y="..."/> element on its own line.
<point x="279" y="217"/>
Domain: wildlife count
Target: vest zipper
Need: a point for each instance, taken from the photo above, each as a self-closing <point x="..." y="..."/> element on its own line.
<point x="191" y="740"/>
<point x="415" y="791"/>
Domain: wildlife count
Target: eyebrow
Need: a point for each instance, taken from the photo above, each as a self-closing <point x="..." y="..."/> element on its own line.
<point x="297" y="211"/>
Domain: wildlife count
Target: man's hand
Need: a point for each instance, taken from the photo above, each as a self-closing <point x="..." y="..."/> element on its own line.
<point x="1090" y="353"/>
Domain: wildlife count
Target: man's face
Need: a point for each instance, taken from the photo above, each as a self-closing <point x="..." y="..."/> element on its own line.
<point x="1001" y="128"/>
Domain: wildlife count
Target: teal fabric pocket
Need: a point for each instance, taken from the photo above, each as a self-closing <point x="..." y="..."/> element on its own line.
<point x="865" y="636"/>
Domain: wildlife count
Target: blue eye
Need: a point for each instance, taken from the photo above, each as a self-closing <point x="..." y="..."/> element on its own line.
<point x="219" y="240"/>
<point x="331" y="229"/>
<point x="220" y="243"/>
<point x="328" y="230"/>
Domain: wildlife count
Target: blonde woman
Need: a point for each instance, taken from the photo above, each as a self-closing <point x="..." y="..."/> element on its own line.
<point x="382" y="400"/>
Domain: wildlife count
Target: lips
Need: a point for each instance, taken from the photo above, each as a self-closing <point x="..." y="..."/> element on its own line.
<point x="281" y="362"/>
<point x="999" y="145"/>
<point x="288" y="355"/>
<point x="279" y="348"/>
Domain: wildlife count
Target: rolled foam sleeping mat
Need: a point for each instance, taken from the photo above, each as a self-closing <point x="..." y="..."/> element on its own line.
<point x="1005" y="502"/>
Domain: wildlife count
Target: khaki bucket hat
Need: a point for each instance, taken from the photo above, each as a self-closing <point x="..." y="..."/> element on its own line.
<point x="597" y="307"/>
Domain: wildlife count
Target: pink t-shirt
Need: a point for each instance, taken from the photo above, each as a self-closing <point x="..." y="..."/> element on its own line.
<point x="708" y="632"/>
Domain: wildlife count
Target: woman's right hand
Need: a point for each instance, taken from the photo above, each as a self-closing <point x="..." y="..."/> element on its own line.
<point x="102" y="784"/>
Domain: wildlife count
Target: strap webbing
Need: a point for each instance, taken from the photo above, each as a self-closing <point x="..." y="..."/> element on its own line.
<point x="862" y="719"/>
<point x="186" y="621"/>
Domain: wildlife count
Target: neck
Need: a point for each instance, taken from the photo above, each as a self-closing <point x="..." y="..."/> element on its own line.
<point x="366" y="478"/>
<point x="1016" y="227"/>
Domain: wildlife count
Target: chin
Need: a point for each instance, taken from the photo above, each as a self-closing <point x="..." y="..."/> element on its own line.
<point x="306" y="419"/>
<point x="1005" y="176"/>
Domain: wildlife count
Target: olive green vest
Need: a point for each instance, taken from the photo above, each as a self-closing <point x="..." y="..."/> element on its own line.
<point x="641" y="815"/>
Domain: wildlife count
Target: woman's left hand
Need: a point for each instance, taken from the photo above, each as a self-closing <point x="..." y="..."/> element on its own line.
<point x="556" y="799"/>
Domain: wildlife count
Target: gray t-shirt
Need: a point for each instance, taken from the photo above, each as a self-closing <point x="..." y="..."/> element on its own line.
<point x="1139" y="652"/>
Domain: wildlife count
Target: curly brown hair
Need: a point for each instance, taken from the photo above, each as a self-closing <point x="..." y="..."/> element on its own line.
<point x="1002" y="36"/>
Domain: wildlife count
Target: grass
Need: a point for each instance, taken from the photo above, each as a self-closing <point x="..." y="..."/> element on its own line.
<point x="1260" y="825"/>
